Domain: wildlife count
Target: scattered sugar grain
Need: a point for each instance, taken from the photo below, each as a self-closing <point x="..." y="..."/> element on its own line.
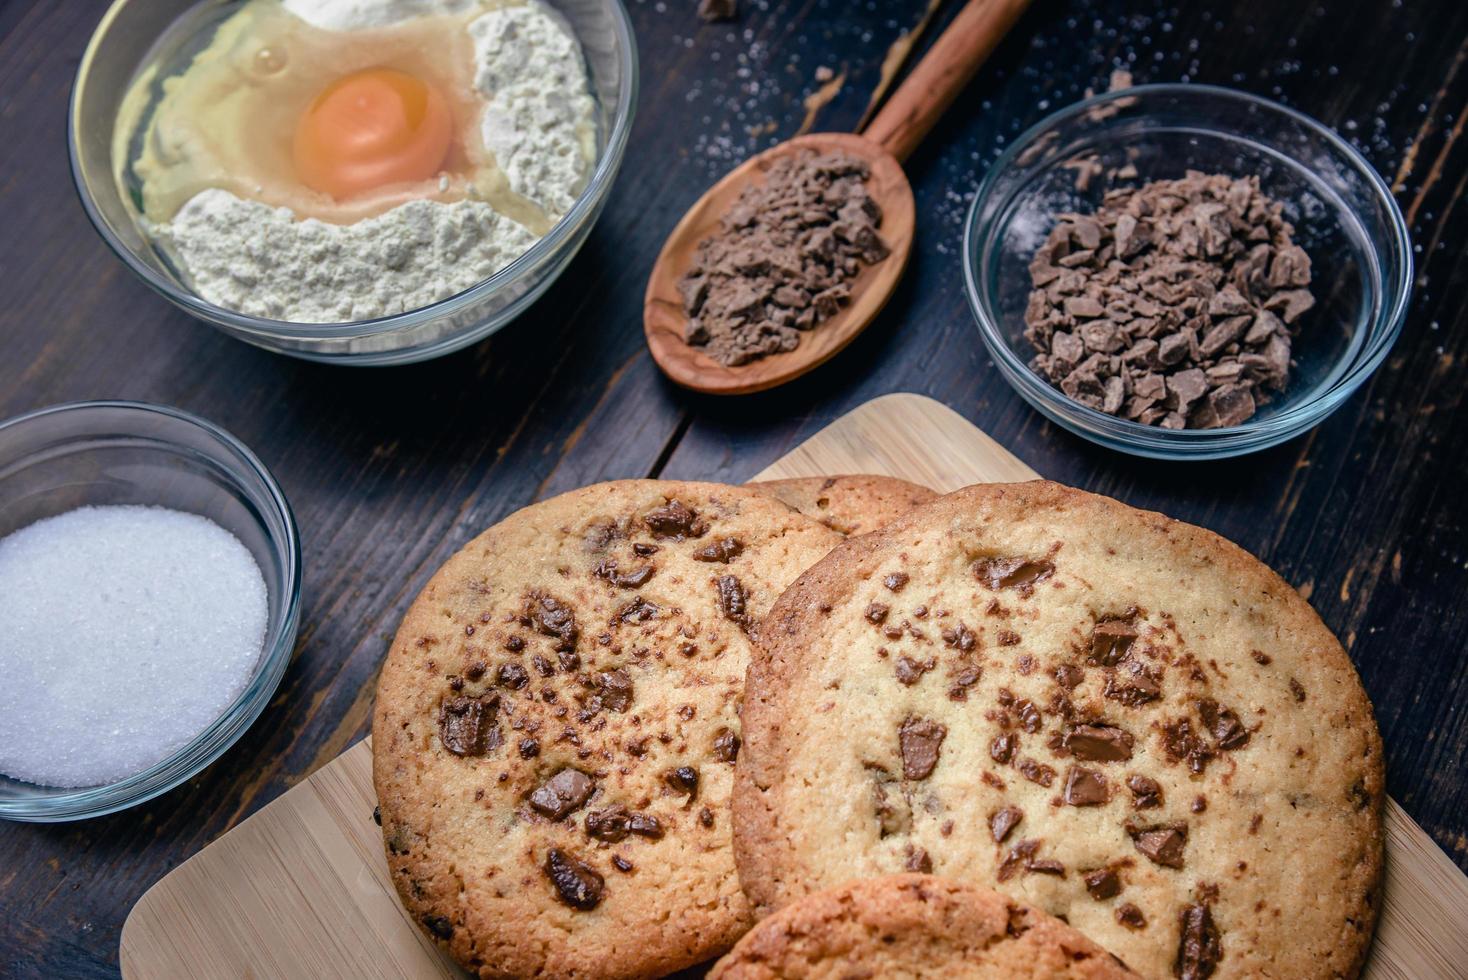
<point x="124" y="632"/>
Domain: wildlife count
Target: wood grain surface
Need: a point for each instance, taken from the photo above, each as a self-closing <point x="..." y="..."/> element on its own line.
<point x="300" y="890"/>
<point x="935" y="82"/>
<point x="390" y="471"/>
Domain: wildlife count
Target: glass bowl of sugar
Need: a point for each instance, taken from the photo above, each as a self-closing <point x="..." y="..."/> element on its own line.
<point x="150" y="576"/>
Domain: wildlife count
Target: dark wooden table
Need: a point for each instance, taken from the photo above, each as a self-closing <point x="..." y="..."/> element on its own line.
<point x="390" y="470"/>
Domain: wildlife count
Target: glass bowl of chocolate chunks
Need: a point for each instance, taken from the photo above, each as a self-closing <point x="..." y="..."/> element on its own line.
<point x="1185" y="272"/>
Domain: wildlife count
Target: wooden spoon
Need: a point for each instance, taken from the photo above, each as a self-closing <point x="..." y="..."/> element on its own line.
<point x="890" y="137"/>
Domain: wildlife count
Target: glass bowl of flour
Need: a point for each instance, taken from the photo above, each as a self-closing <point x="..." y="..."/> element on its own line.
<point x="151" y="577"/>
<point x="549" y="87"/>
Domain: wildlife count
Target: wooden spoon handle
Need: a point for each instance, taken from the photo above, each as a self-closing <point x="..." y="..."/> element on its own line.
<point x="936" y="81"/>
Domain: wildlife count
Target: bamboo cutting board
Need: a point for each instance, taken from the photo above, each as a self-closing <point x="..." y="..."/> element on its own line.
<point x="300" y="889"/>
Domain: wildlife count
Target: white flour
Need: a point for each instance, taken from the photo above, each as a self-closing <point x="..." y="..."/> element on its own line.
<point x="538" y="121"/>
<point x="261" y="260"/>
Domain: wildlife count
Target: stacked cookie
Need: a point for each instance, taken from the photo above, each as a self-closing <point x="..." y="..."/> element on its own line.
<point x="1106" y="716"/>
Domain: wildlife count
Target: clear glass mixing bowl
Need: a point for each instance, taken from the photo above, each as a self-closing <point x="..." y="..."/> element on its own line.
<point x="1343" y="213"/>
<point x="121" y="44"/>
<point x="105" y="453"/>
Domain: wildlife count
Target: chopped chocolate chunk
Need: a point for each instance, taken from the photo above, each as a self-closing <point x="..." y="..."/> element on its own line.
<point x="1007" y="638"/>
<point x="633" y="579"/>
<point x="466" y="726"/>
<point x="726" y="746"/>
<point x="610" y="824"/>
<point x="1045" y="866"/>
<point x="1103" y="883"/>
<point x="377" y="815"/>
<point x="1130" y="916"/>
<point x="529" y="748"/>
<point x="876" y="613"/>
<point x="1227" y="730"/>
<point x="1110" y="641"/>
<point x="577" y="884"/>
<point x="733" y="601"/>
<point x="615" y="687"/>
<point x="1069" y="676"/>
<point x="1099" y="743"/>
<point x="1199" y="804"/>
<point x="542" y="666"/>
<point x="684" y="779"/>
<point x="910" y="671"/>
<point x="1085" y="787"/>
<point x="1036" y="772"/>
<point x="1012" y="573"/>
<point x="706" y="817"/>
<point x="920" y="741"/>
<point x="553" y="618"/>
<point x="1198" y="948"/>
<point x="1182" y="744"/>
<point x="966" y="679"/>
<point x="513" y="676"/>
<point x="1002" y="822"/>
<point x="722" y="551"/>
<point x="1029" y="715"/>
<point x="893" y="813"/>
<point x="1023" y="855"/>
<point x="1002" y="749"/>
<point x="564" y="792"/>
<point x="895" y="581"/>
<point x="645" y="825"/>
<point x="599" y="537"/>
<point x="1019" y="855"/>
<point x="639" y="610"/>
<point x="1261" y="658"/>
<point x="918" y="860"/>
<point x="674" y="520"/>
<point x="1133" y="683"/>
<point x="643" y="550"/>
<point x="1298" y="690"/>
<point x="622" y="864"/>
<point x="1146" y="793"/>
<point x="1161" y="845"/>
<point x="440" y="926"/>
<point x="960" y="638"/>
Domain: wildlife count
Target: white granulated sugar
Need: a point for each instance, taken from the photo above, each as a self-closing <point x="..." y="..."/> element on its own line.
<point x="262" y="260"/>
<point x="124" y="632"/>
<point x="538" y="119"/>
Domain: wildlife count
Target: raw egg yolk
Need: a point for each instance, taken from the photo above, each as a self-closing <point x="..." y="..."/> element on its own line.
<point x="370" y="129"/>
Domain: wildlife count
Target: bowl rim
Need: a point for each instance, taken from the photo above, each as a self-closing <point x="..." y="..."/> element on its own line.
<point x="598" y="185"/>
<point x="1145" y="440"/>
<point x="205" y="748"/>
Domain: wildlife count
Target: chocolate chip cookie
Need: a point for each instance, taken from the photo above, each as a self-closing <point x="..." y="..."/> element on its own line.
<point x="1124" y="720"/>
<point x="848" y="504"/>
<point x="556" y="728"/>
<point x="914" y="925"/>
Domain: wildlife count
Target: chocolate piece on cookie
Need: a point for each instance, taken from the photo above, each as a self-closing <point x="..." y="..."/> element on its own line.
<point x="1138" y="762"/>
<point x="848" y="504"/>
<point x="557" y="723"/>
<point x="916" y="925"/>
